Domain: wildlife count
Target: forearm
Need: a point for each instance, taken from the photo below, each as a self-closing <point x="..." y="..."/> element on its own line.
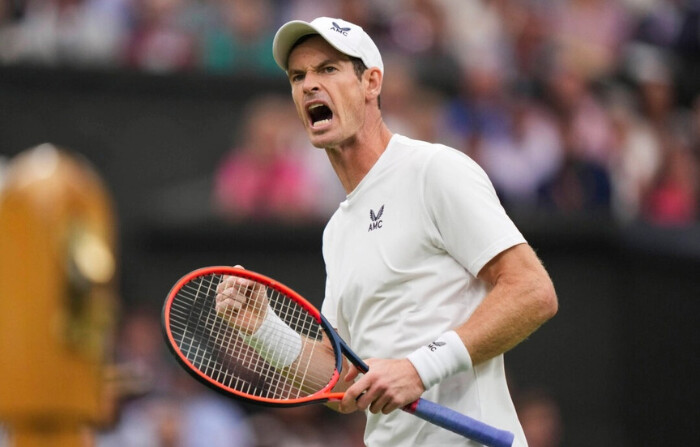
<point x="520" y="300"/>
<point x="313" y="368"/>
<point x="508" y="314"/>
<point x="306" y="362"/>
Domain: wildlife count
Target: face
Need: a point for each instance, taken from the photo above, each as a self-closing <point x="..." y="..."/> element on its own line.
<point x="329" y="97"/>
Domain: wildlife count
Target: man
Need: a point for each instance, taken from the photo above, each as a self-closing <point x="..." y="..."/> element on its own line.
<point x="427" y="277"/>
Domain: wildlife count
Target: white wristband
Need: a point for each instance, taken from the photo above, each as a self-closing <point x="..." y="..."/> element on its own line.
<point x="275" y="341"/>
<point x="444" y="357"/>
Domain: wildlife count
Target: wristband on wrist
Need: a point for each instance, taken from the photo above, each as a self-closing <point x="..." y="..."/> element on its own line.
<point x="277" y="343"/>
<point x="444" y="357"/>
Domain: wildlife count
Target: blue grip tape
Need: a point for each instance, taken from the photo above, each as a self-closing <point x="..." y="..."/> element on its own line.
<point x="461" y="424"/>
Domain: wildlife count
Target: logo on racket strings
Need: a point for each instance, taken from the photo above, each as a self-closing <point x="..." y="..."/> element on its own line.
<point x="376" y="219"/>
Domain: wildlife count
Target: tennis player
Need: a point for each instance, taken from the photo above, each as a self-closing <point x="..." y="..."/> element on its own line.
<point x="428" y="279"/>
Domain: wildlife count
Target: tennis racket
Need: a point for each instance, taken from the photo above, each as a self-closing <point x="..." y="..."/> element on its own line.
<point x="262" y="342"/>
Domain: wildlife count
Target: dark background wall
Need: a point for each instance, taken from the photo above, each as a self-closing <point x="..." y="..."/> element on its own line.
<point x="620" y="357"/>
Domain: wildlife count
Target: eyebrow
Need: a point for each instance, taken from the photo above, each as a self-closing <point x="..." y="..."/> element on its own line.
<point x="327" y="61"/>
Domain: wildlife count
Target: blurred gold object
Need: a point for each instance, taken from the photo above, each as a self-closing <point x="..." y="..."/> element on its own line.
<point x="92" y="257"/>
<point x="57" y="299"/>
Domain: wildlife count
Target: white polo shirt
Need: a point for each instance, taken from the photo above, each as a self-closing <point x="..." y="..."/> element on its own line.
<point x="402" y="253"/>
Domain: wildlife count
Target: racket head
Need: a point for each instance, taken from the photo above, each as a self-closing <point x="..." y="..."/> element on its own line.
<point x="215" y="353"/>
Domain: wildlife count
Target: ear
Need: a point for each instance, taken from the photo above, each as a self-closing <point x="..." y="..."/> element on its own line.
<point x="373" y="78"/>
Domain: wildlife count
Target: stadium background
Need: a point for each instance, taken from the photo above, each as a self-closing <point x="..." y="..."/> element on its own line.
<point x="162" y="122"/>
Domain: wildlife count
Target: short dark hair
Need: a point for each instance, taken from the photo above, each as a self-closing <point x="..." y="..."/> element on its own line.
<point x="359" y="66"/>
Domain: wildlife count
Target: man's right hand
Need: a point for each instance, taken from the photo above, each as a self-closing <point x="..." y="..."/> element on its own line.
<point x="242" y="303"/>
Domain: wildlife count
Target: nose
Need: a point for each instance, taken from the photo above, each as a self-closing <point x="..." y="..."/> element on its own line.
<point x="310" y="83"/>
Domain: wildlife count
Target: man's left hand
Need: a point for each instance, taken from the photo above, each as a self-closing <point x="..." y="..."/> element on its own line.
<point x="389" y="384"/>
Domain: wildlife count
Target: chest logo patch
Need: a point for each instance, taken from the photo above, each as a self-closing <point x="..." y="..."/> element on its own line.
<point x="376" y="219"/>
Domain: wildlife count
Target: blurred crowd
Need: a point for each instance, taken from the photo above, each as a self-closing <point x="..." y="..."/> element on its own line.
<point x="571" y="106"/>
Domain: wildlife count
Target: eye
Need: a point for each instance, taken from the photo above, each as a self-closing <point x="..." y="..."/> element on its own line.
<point x="329" y="69"/>
<point x="296" y="77"/>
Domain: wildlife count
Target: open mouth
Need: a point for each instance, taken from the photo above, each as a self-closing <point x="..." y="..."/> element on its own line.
<point x="319" y="114"/>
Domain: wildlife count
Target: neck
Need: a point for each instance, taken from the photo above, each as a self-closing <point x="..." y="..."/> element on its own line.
<point x="353" y="159"/>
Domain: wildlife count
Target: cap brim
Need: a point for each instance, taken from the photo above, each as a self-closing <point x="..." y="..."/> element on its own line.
<point x="286" y="37"/>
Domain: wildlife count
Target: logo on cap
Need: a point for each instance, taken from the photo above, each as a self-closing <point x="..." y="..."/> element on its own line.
<point x="340" y="29"/>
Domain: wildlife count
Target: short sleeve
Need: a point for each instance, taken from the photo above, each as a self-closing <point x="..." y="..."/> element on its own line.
<point x="471" y="223"/>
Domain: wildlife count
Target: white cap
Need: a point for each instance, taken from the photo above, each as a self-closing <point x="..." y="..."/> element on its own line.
<point x="345" y="37"/>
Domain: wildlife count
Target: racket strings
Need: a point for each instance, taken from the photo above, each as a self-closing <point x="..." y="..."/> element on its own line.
<point x="216" y="347"/>
<point x="217" y="350"/>
<point x="226" y="358"/>
<point x="297" y="318"/>
<point x="300" y="320"/>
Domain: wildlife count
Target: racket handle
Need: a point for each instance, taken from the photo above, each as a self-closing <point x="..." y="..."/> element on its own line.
<point x="460" y="424"/>
<point x="443" y="416"/>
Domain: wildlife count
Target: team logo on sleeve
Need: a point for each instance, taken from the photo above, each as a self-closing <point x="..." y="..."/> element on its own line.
<point x="376" y="222"/>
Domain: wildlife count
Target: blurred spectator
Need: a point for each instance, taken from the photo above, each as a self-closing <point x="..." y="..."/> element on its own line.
<point x="360" y="12"/>
<point x="657" y="22"/>
<point x="687" y="48"/>
<point x="241" y="41"/>
<point x="481" y="110"/>
<point x="159" y="41"/>
<point x="268" y="176"/>
<point x="308" y="426"/>
<point x="650" y="72"/>
<point x="636" y="158"/>
<point x="141" y="353"/>
<point x="397" y="95"/>
<point x="580" y="112"/>
<point x="522" y="159"/>
<point x="583" y="183"/>
<point x="476" y="33"/>
<point x="671" y="26"/>
<point x="581" y="186"/>
<point x="309" y="9"/>
<point x="167" y="407"/>
<point x="7" y="12"/>
<point x="589" y="35"/>
<point x="541" y="418"/>
<point x="419" y="30"/>
<point x="675" y="196"/>
<point x="66" y="32"/>
<point x="199" y="420"/>
<point x="409" y="107"/>
<point x="532" y="47"/>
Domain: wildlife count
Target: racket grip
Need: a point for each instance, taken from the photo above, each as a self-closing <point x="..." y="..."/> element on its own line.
<point x="460" y="424"/>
